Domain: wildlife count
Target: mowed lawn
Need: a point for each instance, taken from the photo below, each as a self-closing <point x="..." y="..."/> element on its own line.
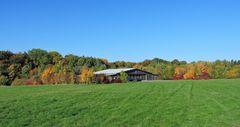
<point x="213" y="103"/>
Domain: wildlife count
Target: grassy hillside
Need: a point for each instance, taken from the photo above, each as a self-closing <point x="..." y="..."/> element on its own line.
<point x="161" y="103"/>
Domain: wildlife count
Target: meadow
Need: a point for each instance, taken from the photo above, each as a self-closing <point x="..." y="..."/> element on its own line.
<point x="210" y="103"/>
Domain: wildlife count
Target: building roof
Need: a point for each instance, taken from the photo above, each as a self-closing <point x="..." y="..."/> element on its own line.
<point x="113" y="71"/>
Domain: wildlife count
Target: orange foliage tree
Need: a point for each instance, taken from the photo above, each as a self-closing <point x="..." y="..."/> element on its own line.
<point x="203" y="70"/>
<point x="179" y="73"/>
<point x="191" y="73"/>
<point x="47" y="76"/>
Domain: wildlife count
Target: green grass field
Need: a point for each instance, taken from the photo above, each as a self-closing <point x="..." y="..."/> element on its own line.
<point x="213" y="103"/>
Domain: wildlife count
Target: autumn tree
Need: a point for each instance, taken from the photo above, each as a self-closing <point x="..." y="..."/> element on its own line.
<point x="86" y="75"/>
<point x="233" y="72"/>
<point x="190" y="73"/>
<point x="38" y="66"/>
<point x="72" y="78"/>
<point x="179" y="73"/>
<point x="47" y="76"/>
<point x="203" y="70"/>
<point x="138" y="66"/>
<point x="13" y="71"/>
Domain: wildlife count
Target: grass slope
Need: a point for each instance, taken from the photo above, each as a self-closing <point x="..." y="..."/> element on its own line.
<point x="162" y="103"/>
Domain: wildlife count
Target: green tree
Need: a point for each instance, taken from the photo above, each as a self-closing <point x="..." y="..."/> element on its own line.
<point x="25" y="71"/>
<point x="170" y="72"/>
<point x="55" y="56"/>
<point x="163" y="73"/>
<point x="219" y="70"/>
<point x="39" y="57"/>
<point x="71" y="61"/>
<point x="123" y="76"/>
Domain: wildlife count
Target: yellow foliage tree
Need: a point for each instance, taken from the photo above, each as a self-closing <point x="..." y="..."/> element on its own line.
<point x="138" y="66"/>
<point x="86" y="75"/>
<point x="233" y="73"/>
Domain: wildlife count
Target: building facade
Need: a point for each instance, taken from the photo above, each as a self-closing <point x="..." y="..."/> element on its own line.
<point x="133" y="74"/>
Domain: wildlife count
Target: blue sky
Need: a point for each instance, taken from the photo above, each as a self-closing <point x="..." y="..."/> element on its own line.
<point x="131" y="30"/>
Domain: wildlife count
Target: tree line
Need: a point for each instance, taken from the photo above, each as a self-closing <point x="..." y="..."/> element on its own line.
<point x="38" y="66"/>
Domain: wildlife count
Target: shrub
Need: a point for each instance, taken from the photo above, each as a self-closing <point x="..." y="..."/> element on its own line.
<point x="117" y="81"/>
<point x="204" y="76"/>
<point x="100" y="79"/>
<point x="34" y="81"/>
<point x="123" y="76"/>
<point x="4" y="80"/>
<point x="19" y="82"/>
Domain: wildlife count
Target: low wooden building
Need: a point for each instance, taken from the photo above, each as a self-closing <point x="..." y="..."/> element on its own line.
<point x="133" y="74"/>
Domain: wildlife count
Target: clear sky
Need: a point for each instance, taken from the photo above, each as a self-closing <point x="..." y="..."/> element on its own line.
<point x="131" y="30"/>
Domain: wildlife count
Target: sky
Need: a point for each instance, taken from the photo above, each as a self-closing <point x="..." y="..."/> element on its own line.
<point x="130" y="30"/>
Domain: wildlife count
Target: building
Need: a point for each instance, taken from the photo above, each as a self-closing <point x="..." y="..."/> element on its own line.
<point x="133" y="74"/>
